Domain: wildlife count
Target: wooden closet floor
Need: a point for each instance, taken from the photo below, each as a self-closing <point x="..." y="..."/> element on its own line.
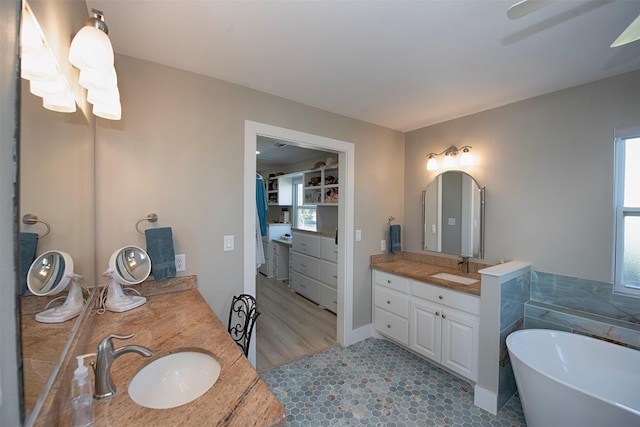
<point x="289" y="327"/>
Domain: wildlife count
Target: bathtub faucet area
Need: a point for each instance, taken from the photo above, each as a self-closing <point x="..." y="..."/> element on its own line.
<point x="571" y="380"/>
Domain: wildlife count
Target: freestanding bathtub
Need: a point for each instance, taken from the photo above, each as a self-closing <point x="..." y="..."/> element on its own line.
<point x="566" y="380"/>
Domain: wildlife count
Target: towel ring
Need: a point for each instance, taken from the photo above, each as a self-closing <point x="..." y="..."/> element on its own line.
<point x="151" y="218"/>
<point x="32" y="219"/>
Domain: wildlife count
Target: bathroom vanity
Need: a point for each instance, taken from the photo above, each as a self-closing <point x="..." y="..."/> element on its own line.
<point x="434" y="317"/>
<point x="175" y="317"/>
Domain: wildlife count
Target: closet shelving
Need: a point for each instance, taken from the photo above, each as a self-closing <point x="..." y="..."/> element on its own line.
<point x="321" y="186"/>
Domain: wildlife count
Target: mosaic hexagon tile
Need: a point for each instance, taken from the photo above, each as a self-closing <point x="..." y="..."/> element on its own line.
<point x="375" y="382"/>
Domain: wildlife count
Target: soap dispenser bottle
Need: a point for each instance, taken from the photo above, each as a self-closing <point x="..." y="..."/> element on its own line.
<point x="82" y="395"/>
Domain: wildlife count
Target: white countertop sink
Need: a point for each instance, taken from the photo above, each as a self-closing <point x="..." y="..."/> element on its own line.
<point x="455" y="278"/>
<point x="175" y="379"/>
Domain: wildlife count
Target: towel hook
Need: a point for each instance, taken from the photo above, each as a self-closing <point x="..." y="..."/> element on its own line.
<point x="391" y="219"/>
<point x="32" y="219"/>
<point x="152" y="217"/>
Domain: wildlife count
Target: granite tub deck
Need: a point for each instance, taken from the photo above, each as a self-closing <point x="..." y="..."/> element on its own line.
<point x="421" y="268"/>
<point x="181" y="320"/>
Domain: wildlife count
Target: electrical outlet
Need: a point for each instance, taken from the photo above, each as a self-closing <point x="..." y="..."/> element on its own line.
<point x="181" y="262"/>
<point x="383" y="245"/>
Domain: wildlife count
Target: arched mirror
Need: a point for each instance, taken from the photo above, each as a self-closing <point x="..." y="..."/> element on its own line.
<point x="454" y="215"/>
<point x="127" y="266"/>
<point x="50" y="274"/>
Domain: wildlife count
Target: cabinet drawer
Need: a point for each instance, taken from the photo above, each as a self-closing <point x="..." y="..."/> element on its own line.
<point x="328" y="273"/>
<point x="328" y="297"/>
<point x="391" y="281"/>
<point x="306" y="243"/>
<point x="305" y="286"/>
<point x="393" y="326"/>
<point x="328" y="249"/>
<point x="461" y="301"/>
<point x="393" y="301"/>
<point x="304" y="264"/>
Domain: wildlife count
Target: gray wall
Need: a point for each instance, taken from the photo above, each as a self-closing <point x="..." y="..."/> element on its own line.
<point x="547" y="163"/>
<point x="179" y="151"/>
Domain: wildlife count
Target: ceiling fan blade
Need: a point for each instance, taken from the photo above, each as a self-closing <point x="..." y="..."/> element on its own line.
<point x="631" y="34"/>
<point x="525" y="7"/>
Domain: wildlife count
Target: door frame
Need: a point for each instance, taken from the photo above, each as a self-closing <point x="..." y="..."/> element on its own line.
<point x="346" y="152"/>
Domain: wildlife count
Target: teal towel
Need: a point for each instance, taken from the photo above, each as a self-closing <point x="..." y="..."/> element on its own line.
<point x="394" y="239"/>
<point x="161" y="253"/>
<point x="28" y="249"/>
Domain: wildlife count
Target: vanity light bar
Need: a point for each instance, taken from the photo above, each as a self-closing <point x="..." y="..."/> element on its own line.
<point x="451" y="158"/>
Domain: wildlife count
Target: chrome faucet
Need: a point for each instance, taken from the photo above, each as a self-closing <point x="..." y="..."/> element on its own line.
<point x="106" y="355"/>
<point x="465" y="264"/>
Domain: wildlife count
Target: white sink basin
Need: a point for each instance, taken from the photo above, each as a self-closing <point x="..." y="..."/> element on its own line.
<point x="455" y="278"/>
<point x="174" y="379"/>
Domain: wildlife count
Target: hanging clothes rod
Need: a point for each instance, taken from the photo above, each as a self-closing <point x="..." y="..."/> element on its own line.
<point x="32" y="219"/>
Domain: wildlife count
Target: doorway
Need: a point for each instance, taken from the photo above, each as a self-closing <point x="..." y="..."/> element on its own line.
<point x="346" y="153"/>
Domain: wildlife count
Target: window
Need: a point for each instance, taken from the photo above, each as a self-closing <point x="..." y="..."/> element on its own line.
<point x="304" y="216"/>
<point x="627" y="212"/>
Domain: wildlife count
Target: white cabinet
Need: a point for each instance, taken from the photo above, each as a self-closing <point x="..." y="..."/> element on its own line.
<point x="438" y="323"/>
<point x="280" y="190"/>
<point x="321" y="186"/>
<point x="279" y="260"/>
<point x="314" y="269"/>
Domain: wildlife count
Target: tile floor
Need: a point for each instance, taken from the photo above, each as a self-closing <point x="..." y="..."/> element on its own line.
<point x="375" y="382"/>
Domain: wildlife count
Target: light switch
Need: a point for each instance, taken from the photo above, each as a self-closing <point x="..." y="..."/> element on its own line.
<point x="452" y="221"/>
<point x="228" y="243"/>
<point x="358" y="235"/>
<point x="433" y="229"/>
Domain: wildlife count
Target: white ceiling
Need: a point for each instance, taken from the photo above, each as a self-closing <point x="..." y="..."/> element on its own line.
<point x="400" y="64"/>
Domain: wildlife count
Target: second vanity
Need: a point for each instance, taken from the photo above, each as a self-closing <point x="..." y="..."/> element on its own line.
<point x="434" y="317"/>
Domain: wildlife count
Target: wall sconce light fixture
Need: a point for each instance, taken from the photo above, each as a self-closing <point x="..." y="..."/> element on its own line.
<point x="453" y="158"/>
<point x="39" y="66"/>
<point x="92" y="53"/>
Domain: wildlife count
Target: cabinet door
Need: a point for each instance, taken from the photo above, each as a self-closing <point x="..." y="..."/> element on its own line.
<point x="328" y="273"/>
<point x="460" y="343"/>
<point x="328" y="249"/>
<point x="425" y="329"/>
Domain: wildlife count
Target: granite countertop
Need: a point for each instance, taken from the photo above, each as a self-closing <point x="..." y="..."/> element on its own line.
<point x="422" y="272"/>
<point x="179" y="320"/>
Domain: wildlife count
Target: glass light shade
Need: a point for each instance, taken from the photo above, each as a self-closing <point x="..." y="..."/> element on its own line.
<point x="449" y="161"/>
<point x="44" y="88"/>
<point x="62" y="103"/>
<point x="112" y="111"/>
<point x="98" y="78"/>
<point x="432" y="164"/>
<point x="91" y="48"/>
<point x="466" y="159"/>
<point x="103" y="96"/>
<point x="38" y="65"/>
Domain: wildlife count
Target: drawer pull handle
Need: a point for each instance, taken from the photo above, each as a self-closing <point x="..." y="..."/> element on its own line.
<point x="388" y="302"/>
<point x="440" y="296"/>
<point x="389" y="281"/>
<point x="388" y="326"/>
<point x="305" y="266"/>
<point x="437" y="313"/>
<point x="444" y="316"/>
<point x="335" y="277"/>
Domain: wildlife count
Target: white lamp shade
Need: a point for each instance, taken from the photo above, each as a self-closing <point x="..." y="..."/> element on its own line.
<point x="449" y="161"/>
<point x="98" y="78"/>
<point x="91" y="48"/>
<point x="111" y="111"/>
<point x="432" y="164"/>
<point x="38" y="65"/>
<point x="466" y="159"/>
<point x="62" y="103"/>
<point x="44" y="88"/>
<point x="103" y="96"/>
